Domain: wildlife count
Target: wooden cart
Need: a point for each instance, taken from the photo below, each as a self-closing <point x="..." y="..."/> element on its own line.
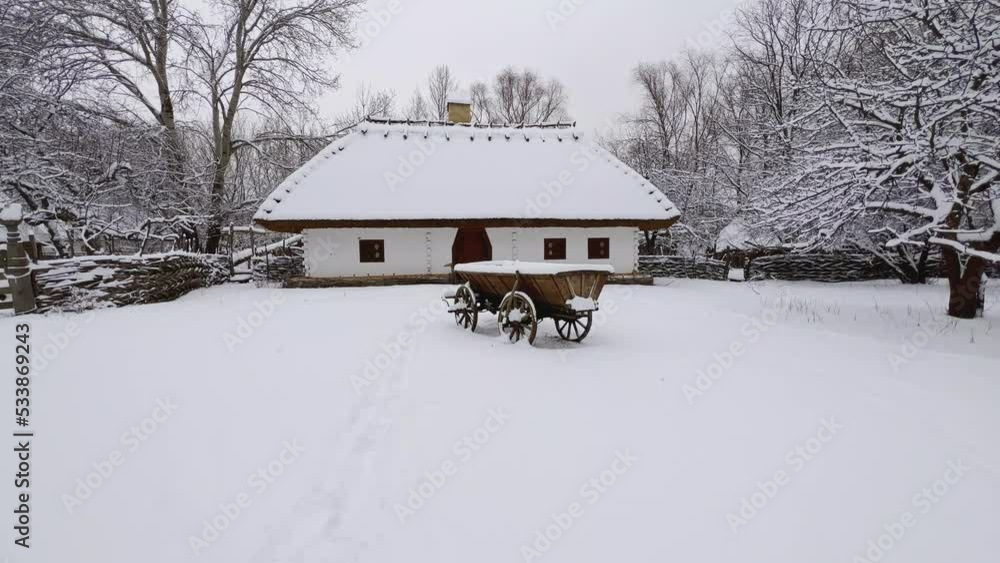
<point x="522" y="294"/>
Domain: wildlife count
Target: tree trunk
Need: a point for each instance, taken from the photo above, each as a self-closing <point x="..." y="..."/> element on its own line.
<point x="648" y="246"/>
<point x="965" y="284"/>
<point x="217" y="195"/>
<point x="922" y="273"/>
<point x="213" y="238"/>
<point x="908" y="270"/>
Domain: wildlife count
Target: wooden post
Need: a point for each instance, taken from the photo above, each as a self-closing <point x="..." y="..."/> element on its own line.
<point x="18" y="269"/>
<point x="253" y="247"/>
<point x="145" y="238"/>
<point x="232" y="266"/>
<point x="253" y="250"/>
<point x="981" y="308"/>
<point x="32" y="250"/>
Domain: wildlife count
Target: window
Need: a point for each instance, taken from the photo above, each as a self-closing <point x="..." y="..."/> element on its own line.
<point x="372" y="250"/>
<point x="598" y="248"/>
<point x="555" y="249"/>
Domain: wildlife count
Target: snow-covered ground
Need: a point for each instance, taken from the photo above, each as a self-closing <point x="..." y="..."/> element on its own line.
<point x="700" y="421"/>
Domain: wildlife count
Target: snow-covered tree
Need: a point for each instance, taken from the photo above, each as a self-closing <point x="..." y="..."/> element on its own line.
<point x="130" y="53"/>
<point x="92" y="139"/>
<point x="267" y="58"/>
<point x="903" y="134"/>
<point x="677" y="140"/>
<point x="81" y="168"/>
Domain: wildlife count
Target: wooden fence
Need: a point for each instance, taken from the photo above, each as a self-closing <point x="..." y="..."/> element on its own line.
<point x="820" y="267"/>
<point x="269" y="269"/>
<point x="829" y="268"/>
<point x="87" y="282"/>
<point x="90" y="282"/>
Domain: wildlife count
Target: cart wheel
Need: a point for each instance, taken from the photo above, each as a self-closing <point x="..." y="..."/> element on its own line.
<point x="575" y="330"/>
<point x="469" y="316"/>
<point x="518" y="318"/>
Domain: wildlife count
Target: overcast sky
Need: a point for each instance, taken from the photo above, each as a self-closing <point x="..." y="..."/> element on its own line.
<point x="592" y="48"/>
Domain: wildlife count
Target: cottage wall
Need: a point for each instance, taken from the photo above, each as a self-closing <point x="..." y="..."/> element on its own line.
<point x="528" y="245"/>
<point x="408" y="251"/>
<point x="331" y="253"/>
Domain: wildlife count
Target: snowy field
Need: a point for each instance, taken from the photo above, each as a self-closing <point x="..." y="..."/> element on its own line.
<point x="700" y="421"/>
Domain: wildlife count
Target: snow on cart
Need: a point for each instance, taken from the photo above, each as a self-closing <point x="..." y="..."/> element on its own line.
<point x="522" y="294"/>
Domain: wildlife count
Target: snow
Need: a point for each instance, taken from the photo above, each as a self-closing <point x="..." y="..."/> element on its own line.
<point x="582" y="304"/>
<point x="740" y="235"/>
<point x="76" y="277"/>
<point x="11" y="213"/>
<point x="542" y="422"/>
<point x="988" y="256"/>
<point x="457" y="305"/>
<point x="510" y="267"/>
<point x="401" y="172"/>
<point x="40" y="233"/>
<point x="244" y="255"/>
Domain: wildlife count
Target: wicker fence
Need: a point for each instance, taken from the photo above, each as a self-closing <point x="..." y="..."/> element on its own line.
<point x="830" y="268"/>
<point x="90" y="282"/>
<point x="680" y="267"/>
<point x="277" y="269"/>
<point x="822" y="268"/>
<point x="100" y="281"/>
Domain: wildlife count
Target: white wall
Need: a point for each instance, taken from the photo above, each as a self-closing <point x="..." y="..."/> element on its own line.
<point x="528" y="245"/>
<point x="335" y="252"/>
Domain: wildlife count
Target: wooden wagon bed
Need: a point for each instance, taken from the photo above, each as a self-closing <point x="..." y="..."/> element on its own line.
<point x="524" y="293"/>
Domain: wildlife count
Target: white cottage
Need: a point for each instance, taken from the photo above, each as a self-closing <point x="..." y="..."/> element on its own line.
<point x="396" y="200"/>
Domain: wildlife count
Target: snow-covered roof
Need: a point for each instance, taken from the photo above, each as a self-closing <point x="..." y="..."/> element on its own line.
<point x="423" y="175"/>
<point x="741" y="235"/>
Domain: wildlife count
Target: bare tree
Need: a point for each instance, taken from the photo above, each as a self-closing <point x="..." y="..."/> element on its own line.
<point x="90" y="136"/>
<point x="127" y="42"/>
<point x="264" y="163"/>
<point x="675" y="139"/>
<point x="269" y="58"/>
<point x="369" y="103"/>
<point x="482" y="110"/>
<point x="417" y="110"/>
<point x="441" y="85"/>
<point x="663" y="108"/>
<point x="770" y="40"/>
<point x="519" y="96"/>
<point x="126" y="46"/>
<point x="81" y="170"/>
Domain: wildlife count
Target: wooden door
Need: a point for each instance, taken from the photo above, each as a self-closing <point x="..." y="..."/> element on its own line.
<point x="471" y="245"/>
